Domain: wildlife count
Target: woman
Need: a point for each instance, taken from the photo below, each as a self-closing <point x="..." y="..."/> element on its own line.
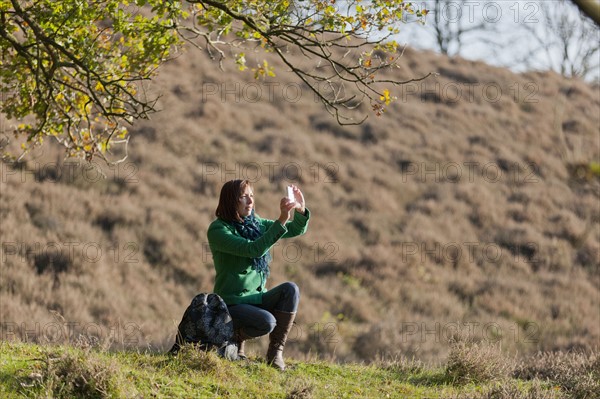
<point x="240" y="241"/>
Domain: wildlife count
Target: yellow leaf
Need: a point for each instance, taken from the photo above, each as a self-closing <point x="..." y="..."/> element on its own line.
<point x="386" y="97"/>
<point x="241" y="61"/>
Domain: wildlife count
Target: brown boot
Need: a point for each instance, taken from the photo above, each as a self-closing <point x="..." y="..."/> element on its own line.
<point x="277" y="338"/>
<point x="240" y="337"/>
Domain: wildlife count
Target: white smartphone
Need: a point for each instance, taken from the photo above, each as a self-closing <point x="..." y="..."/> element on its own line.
<point x="290" y="193"/>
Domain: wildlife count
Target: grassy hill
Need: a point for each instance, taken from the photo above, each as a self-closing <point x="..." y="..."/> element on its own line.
<point x="81" y="372"/>
<point x="469" y="207"/>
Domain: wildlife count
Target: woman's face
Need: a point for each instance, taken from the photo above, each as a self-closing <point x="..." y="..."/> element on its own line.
<point x="245" y="203"/>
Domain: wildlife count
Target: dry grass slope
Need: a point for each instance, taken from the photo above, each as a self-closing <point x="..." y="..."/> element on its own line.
<point x="471" y="207"/>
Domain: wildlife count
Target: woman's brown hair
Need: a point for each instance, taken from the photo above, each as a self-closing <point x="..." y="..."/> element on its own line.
<point x="228" y="199"/>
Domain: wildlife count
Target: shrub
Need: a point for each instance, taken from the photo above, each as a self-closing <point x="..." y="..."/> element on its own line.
<point x="195" y="358"/>
<point x="475" y="362"/>
<point x="78" y="374"/>
<point x="578" y="373"/>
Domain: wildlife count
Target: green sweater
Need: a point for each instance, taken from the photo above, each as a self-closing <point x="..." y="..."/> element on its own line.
<point x="236" y="282"/>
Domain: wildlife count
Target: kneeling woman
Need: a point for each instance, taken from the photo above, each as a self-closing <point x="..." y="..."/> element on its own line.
<point x="240" y="241"/>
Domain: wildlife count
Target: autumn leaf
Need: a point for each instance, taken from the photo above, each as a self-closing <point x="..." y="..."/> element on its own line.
<point x="240" y="61"/>
<point x="386" y="97"/>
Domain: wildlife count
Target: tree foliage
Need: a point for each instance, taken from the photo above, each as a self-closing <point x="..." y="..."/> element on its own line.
<point x="74" y="70"/>
<point x="77" y="71"/>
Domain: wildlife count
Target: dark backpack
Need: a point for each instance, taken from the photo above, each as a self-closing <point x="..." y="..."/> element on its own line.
<point x="208" y="324"/>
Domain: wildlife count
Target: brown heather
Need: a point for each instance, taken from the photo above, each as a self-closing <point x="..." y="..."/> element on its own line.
<point x="577" y="372"/>
<point x="474" y="362"/>
<point x="477" y="216"/>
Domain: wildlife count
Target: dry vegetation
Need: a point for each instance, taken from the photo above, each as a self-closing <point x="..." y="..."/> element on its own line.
<point x="446" y="216"/>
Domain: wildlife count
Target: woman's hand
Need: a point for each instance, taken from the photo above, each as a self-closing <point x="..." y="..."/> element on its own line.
<point x="285" y="206"/>
<point x="300" y="207"/>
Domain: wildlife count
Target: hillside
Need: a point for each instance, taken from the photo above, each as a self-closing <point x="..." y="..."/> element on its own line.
<point x="32" y="371"/>
<point x="470" y="207"/>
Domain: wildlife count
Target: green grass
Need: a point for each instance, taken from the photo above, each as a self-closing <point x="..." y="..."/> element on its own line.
<point x="32" y="371"/>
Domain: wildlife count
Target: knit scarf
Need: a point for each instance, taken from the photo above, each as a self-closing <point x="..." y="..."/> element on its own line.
<point x="250" y="229"/>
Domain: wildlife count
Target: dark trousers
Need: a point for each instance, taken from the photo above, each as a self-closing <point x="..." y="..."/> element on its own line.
<point x="257" y="320"/>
